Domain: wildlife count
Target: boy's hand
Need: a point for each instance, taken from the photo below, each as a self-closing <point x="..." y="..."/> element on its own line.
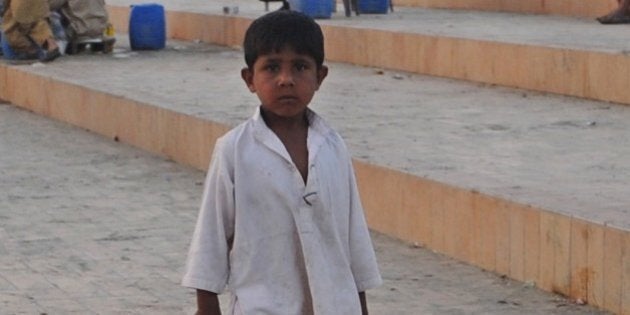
<point x="207" y="303"/>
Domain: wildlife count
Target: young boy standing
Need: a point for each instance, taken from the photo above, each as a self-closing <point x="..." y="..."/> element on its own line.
<point x="281" y="224"/>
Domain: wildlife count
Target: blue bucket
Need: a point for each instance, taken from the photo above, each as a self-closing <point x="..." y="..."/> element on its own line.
<point x="147" y="27"/>
<point x="317" y="9"/>
<point x="373" y="6"/>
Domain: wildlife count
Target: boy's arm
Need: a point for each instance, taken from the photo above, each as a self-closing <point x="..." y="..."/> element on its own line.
<point x="208" y="303"/>
<point x="363" y="299"/>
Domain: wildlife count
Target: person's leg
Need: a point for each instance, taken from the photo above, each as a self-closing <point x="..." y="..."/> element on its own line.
<point x="346" y="8"/>
<point x="621" y="15"/>
<point x="42" y="35"/>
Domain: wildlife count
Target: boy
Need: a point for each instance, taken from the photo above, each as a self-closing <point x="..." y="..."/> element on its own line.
<point x="281" y="224"/>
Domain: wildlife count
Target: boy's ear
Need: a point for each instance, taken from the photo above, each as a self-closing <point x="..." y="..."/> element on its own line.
<point x="248" y="76"/>
<point x="321" y="75"/>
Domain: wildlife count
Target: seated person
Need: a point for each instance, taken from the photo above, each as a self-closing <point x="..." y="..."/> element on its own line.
<point x="621" y="15"/>
<point x="28" y="33"/>
<point x="84" y="22"/>
<point x="1" y="13"/>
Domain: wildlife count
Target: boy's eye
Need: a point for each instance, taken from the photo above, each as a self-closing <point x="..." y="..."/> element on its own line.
<point x="272" y="67"/>
<point x="301" y="66"/>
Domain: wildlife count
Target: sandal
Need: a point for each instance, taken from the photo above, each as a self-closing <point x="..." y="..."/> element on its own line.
<point x="48" y="55"/>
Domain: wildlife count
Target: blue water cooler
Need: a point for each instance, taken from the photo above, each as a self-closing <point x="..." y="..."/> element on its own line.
<point x="317" y="9"/>
<point x="373" y="6"/>
<point x="147" y="27"/>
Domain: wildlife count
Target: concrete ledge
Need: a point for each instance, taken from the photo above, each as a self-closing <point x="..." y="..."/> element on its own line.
<point x="559" y="253"/>
<point x="178" y="136"/>
<point x="588" y="74"/>
<point x="583" y="8"/>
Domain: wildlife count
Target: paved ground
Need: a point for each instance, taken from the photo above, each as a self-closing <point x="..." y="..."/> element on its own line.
<point x="91" y="226"/>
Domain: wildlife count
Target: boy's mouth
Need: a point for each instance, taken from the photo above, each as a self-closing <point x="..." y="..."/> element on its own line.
<point x="287" y="98"/>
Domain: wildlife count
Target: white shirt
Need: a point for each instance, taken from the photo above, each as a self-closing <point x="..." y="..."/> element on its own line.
<point x="279" y="245"/>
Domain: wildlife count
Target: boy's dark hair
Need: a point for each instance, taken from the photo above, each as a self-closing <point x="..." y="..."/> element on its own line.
<point x="274" y="31"/>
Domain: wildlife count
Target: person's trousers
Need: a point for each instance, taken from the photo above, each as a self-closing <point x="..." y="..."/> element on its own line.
<point x="25" y="24"/>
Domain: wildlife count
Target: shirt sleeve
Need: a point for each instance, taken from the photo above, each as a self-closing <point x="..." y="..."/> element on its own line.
<point x="207" y="267"/>
<point x="362" y="256"/>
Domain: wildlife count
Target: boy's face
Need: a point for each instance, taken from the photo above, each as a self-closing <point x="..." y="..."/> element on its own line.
<point x="284" y="81"/>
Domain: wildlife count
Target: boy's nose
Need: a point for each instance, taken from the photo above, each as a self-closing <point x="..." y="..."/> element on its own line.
<point x="286" y="78"/>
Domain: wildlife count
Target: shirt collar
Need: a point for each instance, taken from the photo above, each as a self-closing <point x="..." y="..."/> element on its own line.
<point x="318" y="131"/>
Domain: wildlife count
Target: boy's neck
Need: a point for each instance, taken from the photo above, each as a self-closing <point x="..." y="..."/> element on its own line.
<point x="279" y="123"/>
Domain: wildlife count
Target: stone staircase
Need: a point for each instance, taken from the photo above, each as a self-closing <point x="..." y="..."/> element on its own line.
<point x="513" y="154"/>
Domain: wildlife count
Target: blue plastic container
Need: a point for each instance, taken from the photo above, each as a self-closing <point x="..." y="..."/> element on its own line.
<point x="373" y="6"/>
<point x="317" y="9"/>
<point x="147" y="27"/>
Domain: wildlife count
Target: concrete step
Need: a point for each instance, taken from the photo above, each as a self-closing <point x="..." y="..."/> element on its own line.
<point x="581" y="8"/>
<point x="90" y="226"/>
<point x="527" y="185"/>
<point x="563" y="55"/>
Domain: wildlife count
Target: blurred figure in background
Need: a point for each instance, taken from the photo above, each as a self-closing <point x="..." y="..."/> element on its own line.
<point x="28" y="33"/>
<point x="1" y="13"/>
<point x="621" y="15"/>
<point x="85" y="23"/>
